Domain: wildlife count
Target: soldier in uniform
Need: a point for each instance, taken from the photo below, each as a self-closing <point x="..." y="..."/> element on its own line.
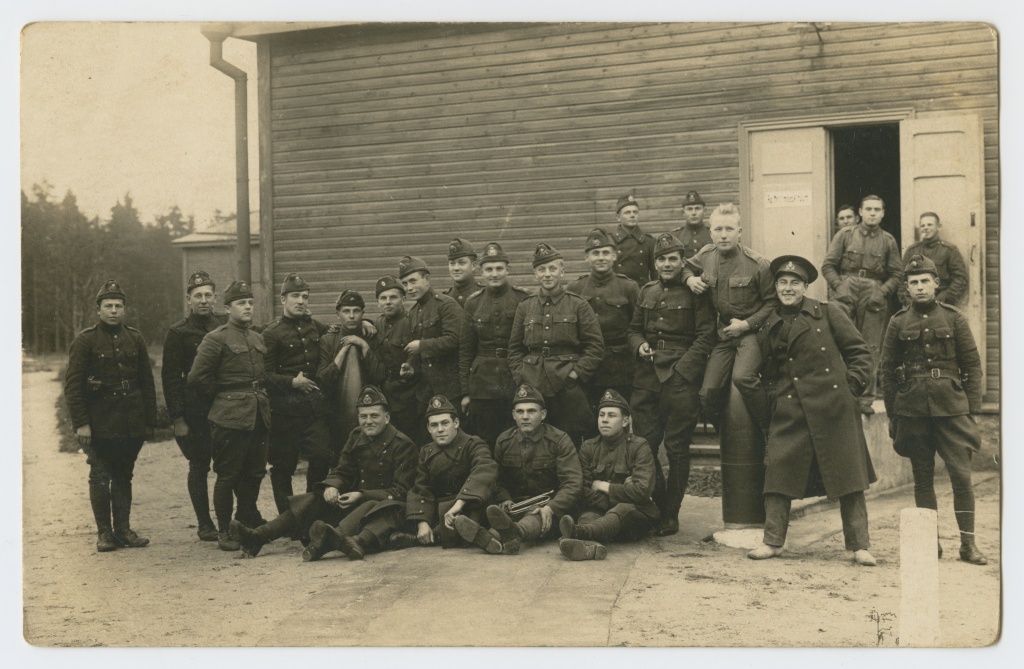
<point x="556" y="345"/>
<point x="461" y="266"/>
<point x="394" y="334"/>
<point x="948" y="262"/>
<point x="635" y="247"/>
<point x="743" y="294"/>
<point x="347" y="332"/>
<point x="672" y="333"/>
<point x="862" y="268"/>
<point x="618" y="479"/>
<point x="362" y="500"/>
<point x="613" y="298"/>
<point x="300" y="427"/>
<point x="186" y="409"/>
<point x="931" y="377"/>
<point x="846" y="215"/>
<point x="814" y="366"/>
<point x="486" y="381"/>
<point x="229" y="365"/>
<point x="436" y="322"/>
<point x="112" y="401"/>
<point x="455" y="476"/>
<point x="693" y="234"/>
<point x="534" y="459"/>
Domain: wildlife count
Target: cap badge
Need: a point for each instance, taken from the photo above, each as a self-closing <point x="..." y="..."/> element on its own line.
<point x="436" y="403"/>
<point x="607" y="394"/>
<point x="367" y="399"/>
<point x="492" y="251"/>
<point x="790" y="266"/>
<point x="453" y="247"/>
<point x="198" y="280"/>
<point x="523" y="392"/>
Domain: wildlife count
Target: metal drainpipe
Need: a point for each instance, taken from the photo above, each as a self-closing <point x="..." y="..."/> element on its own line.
<point x="243" y="249"/>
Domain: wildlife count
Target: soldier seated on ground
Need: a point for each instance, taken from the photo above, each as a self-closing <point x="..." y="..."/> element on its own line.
<point x="455" y="476"/>
<point x="537" y="468"/>
<point x="360" y="503"/>
<point x="618" y="479"/>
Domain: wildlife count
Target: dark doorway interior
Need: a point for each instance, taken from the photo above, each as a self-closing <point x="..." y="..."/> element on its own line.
<point x="867" y="162"/>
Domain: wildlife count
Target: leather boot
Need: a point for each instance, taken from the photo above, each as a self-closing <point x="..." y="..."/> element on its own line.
<point x="322" y="540"/>
<point x="199" y="494"/>
<point x="567" y="527"/>
<point x="604" y="528"/>
<point x="121" y="505"/>
<point x="400" y="540"/>
<point x="281" y="485"/>
<point x="969" y="552"/>
<point x="509" y="531"/>
<point x="248" y="493"/>
<point x="250" y="541"/>
<point x="99" y="498"/>
<point x="577" y="549"/>
<point x="472" y="532"/>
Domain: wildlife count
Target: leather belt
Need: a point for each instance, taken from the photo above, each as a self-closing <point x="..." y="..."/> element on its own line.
<point x="934" y="373"/>
<point x="866" y="274"/>
<point x="617" y="341"/>
<point x="254" y="386"/>
<point x="668" y="345"/>
<point x="547" y="351"/>
<point x="493" y="353"/>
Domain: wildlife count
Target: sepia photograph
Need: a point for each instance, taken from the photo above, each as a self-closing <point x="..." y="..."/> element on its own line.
<point x="564" y="333"/>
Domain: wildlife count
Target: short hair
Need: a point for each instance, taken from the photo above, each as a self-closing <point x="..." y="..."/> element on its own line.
<point x="844" y="207"/>
<point x="872" y="197"/>
<point x="725" y="210"/>
<point x="938" y="221"/>
<point x="424" y="273"/>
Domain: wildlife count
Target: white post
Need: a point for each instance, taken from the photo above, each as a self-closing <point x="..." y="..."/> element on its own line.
<point x="919" y="579"/>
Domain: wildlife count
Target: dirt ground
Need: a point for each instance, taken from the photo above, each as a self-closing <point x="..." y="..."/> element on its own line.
<point x="676" y="591"/>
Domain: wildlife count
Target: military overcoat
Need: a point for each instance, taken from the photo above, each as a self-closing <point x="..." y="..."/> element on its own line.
<point x="464" y="469"/>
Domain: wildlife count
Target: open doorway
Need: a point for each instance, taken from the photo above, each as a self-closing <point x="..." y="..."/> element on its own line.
<point x="867" y="162"/>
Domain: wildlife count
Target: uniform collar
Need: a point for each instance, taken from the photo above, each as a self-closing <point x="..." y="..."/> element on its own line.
<point x="111" y="329"/>
<point x="499" y="291"/>
<point x="869" y="233"/>
<point x="196" y="319"/>
<point x="931" y="242"/>
<point x="926" y="308"/>
<point x="429" y="295"/>
<point x="295" y="321"/>
<point x="636" y="233"/>
<point x="536" y="436"/>
<point x="555" y="295"/>
<point x="614" y="442"/>
<point x="384" y="437"/>
<point x="602" y="279"/>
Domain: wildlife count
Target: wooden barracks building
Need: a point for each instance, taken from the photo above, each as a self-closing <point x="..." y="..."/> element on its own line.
<point x="380" y="140"/>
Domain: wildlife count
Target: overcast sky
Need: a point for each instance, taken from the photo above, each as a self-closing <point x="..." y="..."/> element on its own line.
<point x="110" y="108"/>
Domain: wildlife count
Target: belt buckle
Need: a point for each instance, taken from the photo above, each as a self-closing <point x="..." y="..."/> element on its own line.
<point x="660" y="345"/>
<point x="124" y="385"/>
<point x="862" y="273"/>
<point x="936" y="373"/>
<point x="545" y="351"/>
<point x="255" y="386"/>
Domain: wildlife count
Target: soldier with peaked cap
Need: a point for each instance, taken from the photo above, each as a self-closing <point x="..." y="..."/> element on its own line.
<point x="300" y="427"/>
<point x="394" y="333"/>
<point x="462" y="263"/>
<point x="742" y="291"/>
<point x="618" y="480"/>
<point x="484" y="376"/>
<point x="931" y="377"/>
<point x="229" y="366"/>
<point x="613" y="298"/>
<point x="455" y="476"/>
<point x="671" y="333"/>
<point x="948" y="262"/>
<point x="862" y="268"/>
<point x="813" y="365"/>
<point x="347" y="334"/>
<point x="111" y="397"/>
<point x="362" y="500"/>
<point x="635" y="247"/>
<point x="186" y="409"/>
<point x="556" y="345"/>
<point x="436" y="322"/>
<point x="693" y="234"/>
<point x="534" y="459"/>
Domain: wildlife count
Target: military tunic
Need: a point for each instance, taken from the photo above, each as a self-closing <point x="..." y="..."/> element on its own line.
<point x="393" y="335"/>
<point x="484" y="374"/>
<point x="437" y="323"/>
<point x="636" y="254"/>
<point x="461" y="292"/>
<point x="693" y="237"/>
<point x="950" y="264"/>
<point x="531" y="465"/>
<point x="627" y="463"/>
<point x="341" y="409"/>
<point x="554" y="334"/>
<point x="300" y="427"/>
<point x="613" y="298"/>
<point x="462" y="470"/>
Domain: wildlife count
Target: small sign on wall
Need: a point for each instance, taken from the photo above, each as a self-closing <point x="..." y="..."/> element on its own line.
<point x="787" y="198"/>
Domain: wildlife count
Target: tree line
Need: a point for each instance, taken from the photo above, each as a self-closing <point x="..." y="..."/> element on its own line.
<point x="66" y="257"/>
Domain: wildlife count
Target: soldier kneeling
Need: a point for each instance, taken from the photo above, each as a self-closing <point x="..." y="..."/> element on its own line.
<point x="618" y="479"/>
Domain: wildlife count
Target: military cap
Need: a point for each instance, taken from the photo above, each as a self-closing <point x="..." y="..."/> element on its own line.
<point x="440" y="404"/>
<point x="801" y="267"/>
<point x="409" y="264"/>
<point x="624" y="201"/>
<point x="545" y="253"/>
<point x="198" y="278"/>
<point x="610" y="398"/>
<point x="111" y="290"/>
<point x="388" y="282"/>
<point x="597" y="239"/>
<point x="293" y="283"/>
<point x="372" y="396"/>
<point x="527" y="393"/>
<point x="667" y="243"/>
<point x="494" y="253"/>
<point x="349" y="298"/>
<point x="238" y="290"/>
<point x="920" y="264"/>
<point x="460" y="248"/>
<point x="693" y="197"/>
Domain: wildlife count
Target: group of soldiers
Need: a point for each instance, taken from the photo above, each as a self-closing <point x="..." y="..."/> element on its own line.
<point x="496" y="417"/>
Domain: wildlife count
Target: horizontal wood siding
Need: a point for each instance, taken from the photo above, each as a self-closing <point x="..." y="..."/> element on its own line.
<point x="388" y="140"/>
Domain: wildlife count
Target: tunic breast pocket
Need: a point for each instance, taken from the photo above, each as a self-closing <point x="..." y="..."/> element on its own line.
<point x="940" y="343"/>
<point x="543" y="473"/>
<point x="563" y="327"/>
<point x="742" y="290"/>
<point x="430" y="327"/>
<point x="852" y="261"/>
<point x="675" y="318"/>
<point x="873" y="261"/>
